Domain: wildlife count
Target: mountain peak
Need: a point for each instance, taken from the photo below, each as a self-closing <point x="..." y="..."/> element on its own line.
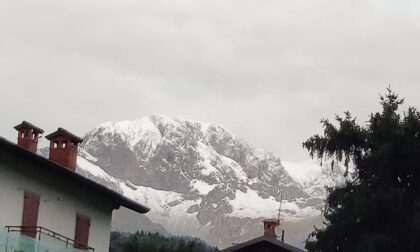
<point x="132" y="131"/>
<point x="207" y="147"/>
<point x="212" y="176"/>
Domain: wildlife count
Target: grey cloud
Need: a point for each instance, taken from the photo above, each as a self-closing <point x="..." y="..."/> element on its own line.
<point x="267" y="70"/>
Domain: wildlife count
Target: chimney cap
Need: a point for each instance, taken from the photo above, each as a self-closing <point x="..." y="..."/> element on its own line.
<point x="271" y="221"/>
<point x="64" y="133"/>
<point x="28" y="125"/>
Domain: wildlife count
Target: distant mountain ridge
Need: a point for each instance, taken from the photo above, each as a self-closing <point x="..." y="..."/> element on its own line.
<point x="201" y="180"/>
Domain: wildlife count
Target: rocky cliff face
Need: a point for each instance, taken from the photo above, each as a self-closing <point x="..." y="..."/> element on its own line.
<point x="201" y="180"/>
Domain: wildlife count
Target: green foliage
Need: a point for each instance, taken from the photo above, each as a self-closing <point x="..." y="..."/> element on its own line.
<point x="154" y="242"/>
<point x="378" y="209"/>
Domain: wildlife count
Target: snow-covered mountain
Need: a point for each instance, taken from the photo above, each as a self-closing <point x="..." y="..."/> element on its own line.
<point x="201" y="180"/>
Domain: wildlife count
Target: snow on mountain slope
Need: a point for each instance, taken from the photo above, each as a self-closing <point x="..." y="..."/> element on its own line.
<point x="202" y="187"/>
<point x="94" y="170"/>
<point x="250" y="205"/>
<point x="315" y="177"/>
<point x="133" y="131"/>
<point x="167" y="205"/>
<point x="164" y="205"/>
<point x="200" y="179"/>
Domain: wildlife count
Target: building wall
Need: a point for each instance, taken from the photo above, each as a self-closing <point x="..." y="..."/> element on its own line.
<point x="59" y="203"/>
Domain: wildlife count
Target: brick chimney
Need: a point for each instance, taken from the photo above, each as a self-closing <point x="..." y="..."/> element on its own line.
<point x="63" y="148"/>
<point x="270" y="227"/>
<point x="28" y="136"/>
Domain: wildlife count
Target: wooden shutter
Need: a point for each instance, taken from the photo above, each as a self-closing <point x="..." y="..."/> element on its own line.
<point x="30" y="214"/>
<point x="82" y="231"/>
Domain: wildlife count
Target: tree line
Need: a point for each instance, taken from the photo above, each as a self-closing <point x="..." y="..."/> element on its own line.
<point x="155" y="242"/>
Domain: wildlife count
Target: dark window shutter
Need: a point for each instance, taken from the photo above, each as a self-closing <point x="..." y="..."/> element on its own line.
<point x="30" y="214"/>
<point x="82" y="231"/>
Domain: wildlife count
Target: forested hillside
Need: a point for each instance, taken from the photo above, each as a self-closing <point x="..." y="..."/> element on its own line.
<point x="154" y="242"/>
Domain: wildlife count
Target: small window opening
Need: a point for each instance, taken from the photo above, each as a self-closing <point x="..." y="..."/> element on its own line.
<point x="55" y="145"/>
<point x="64" y="145"/>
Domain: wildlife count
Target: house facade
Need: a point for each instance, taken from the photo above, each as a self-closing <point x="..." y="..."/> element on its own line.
<point x="45" y="205"/>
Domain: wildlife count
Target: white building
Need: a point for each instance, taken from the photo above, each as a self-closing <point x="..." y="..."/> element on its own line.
<point x="45" y="205"/>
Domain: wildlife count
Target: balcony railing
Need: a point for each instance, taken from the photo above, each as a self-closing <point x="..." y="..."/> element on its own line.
<point x="29" y="238"/>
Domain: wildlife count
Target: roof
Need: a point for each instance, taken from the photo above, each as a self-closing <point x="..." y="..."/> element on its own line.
<point x="65" y="133"/>
<point x="50" y="167"/>
<point x="28" y="125"/>
<point x="262" y="239"/>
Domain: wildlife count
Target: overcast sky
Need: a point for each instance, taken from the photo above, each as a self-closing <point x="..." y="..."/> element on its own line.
<point x="267" y="70"/>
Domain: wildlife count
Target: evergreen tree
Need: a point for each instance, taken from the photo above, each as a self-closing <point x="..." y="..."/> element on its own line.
<point x="378" y="209"/>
